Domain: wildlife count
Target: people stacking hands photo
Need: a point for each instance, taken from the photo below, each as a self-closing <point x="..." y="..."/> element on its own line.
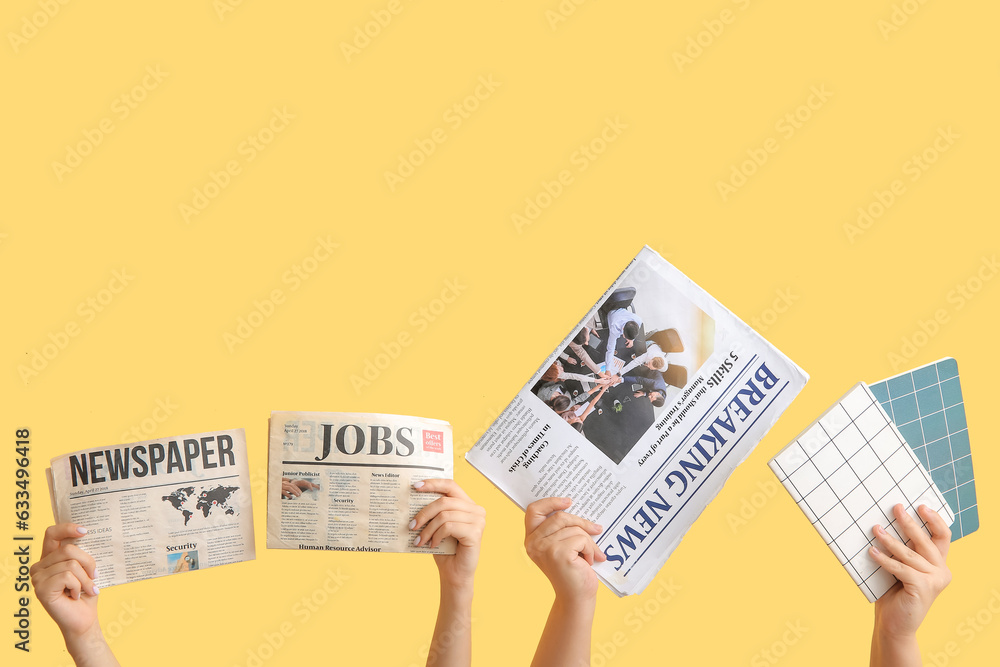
<point x="639" y="369"/>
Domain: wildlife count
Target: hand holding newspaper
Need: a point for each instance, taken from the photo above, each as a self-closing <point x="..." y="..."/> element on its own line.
<point x="685" y="393"/>
<point x="344" y="481"/>
<point x="160" y="506"/>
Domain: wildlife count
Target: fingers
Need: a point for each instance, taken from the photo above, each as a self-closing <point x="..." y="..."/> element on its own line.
<point x="67" y="552"/>
<point x="564" y="546"/>
<point x="442" y="511"/>
<point x="897" y="569"/>
<point x="920" y="541"/>
<point x="53" y="585"/>
<point x="900" y="552"/>
<point x="442" y="504"/>
<point x="66" y="576"/>
<point x="466" y="527"/>
<point x="920" y="567"/>
<point x="582" y="543"/>
<point x="446" y="487"/>
<point x="289" y="490"/>
<point x="55" y="534"/>
<point x="581" y="546"/>
<point x="454" y="514"/>
<point x="561" y="520"/>
<point x="536" y="512"/>
<point x="940" y="532"/>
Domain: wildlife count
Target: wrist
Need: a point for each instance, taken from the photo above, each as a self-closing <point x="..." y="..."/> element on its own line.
<point x="887" y="636"/>
<point x="458" y="590"/>
<point x="82" y="645"/>
<point x="893" y="630"/>
<point x="576" y="603"/>
<point x="893" y="646"/>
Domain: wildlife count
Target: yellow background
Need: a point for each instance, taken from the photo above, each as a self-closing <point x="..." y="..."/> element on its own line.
<point x="162" y="337"/>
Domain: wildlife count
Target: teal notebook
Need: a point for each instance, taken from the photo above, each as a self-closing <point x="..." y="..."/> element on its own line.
<point x="927" y="407"/>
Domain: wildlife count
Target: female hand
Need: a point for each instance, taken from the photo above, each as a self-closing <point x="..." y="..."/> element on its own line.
<point x="453" y="515"/>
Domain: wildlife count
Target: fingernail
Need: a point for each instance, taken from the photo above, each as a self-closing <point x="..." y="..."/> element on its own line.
<point x="416" y="542"/>
<point x="875" y="550"/>
<point x="599" y="527"/>
<point x="94" y="575"/>
<point x="81" y="530"/>
<point x="96" y="589"/>
<point x="417" y="485"/>
<point x="413" y="524"/>
<point x="879" y="530"/>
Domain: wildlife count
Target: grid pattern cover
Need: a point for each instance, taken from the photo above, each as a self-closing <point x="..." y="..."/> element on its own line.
<point x="847" y="471"/>
<point x="927" y="407"/>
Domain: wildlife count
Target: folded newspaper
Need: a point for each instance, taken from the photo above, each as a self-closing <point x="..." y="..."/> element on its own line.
<point x="344" y="481"/>
<point x="159" y="506"/>
<point x="640" y="416"/>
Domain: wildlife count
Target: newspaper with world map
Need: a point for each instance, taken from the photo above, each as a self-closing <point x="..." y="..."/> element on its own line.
<point x="160" y="506"/>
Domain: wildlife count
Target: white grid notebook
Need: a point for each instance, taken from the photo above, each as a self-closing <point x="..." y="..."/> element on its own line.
<point x="847" y="471"/>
